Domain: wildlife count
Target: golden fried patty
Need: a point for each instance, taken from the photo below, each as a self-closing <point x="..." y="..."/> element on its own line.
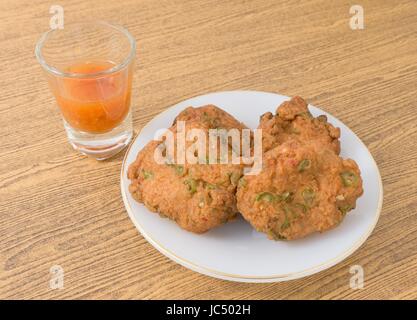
<point x="197" y="196"/>
<point x="294" y="121"/>
<point x="300" y="190"/>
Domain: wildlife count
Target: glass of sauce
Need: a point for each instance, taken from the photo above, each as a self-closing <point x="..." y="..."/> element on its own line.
<point x="89" y="67"/>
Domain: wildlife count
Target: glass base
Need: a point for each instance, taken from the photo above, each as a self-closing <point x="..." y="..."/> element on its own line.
<point x="101" y="146"/>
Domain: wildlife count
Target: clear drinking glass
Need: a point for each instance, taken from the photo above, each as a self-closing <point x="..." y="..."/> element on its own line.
<point x="89" y="67"/>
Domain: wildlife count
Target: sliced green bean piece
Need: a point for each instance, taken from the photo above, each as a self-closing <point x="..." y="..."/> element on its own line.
<point x="308" y="195"/>
<point x="215" y="123"/>
<point x="242" y="182"/>
<point x="147" y="174"/>
<point x="305" y="115"/>
<point x="344" y="209"/>
<point x="349" y="179"/>
<point x="286" y="196"/>
<point x="304" y="164"/>
<point x="275" y="235"/>
<point x="302" y="206"/>
<point x="286" y="224"/>
<point x="234" y="178"/>
<point x="322" y="118"/>
<point x="265" y="196"/>
<point x="210" y="186"/>
<point x="179" y="170"/>
<point x="191" y="185"/>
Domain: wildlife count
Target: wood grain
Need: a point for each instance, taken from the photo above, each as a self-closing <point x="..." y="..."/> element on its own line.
<point x="58" y="207"/>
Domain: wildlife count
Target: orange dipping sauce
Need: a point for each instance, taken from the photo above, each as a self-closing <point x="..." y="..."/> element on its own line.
<point x="95" y="104"/>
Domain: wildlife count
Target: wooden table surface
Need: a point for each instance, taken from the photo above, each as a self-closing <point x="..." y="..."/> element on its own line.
<point x="58" y="207"/>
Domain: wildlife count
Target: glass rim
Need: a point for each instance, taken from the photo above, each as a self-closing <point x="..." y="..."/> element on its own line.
<point x="118" y="67"/>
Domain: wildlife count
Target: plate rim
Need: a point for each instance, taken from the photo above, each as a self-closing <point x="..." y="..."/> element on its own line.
<point x="233" y="277"/>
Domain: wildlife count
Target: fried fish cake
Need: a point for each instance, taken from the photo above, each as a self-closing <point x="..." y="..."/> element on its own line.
<point x="300" y="190"/>
<point x="198" y="196"/>
<point x="293" y="120"/>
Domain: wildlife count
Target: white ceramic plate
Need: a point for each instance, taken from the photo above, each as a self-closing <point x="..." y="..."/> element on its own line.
<point x="235" y="251"/>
